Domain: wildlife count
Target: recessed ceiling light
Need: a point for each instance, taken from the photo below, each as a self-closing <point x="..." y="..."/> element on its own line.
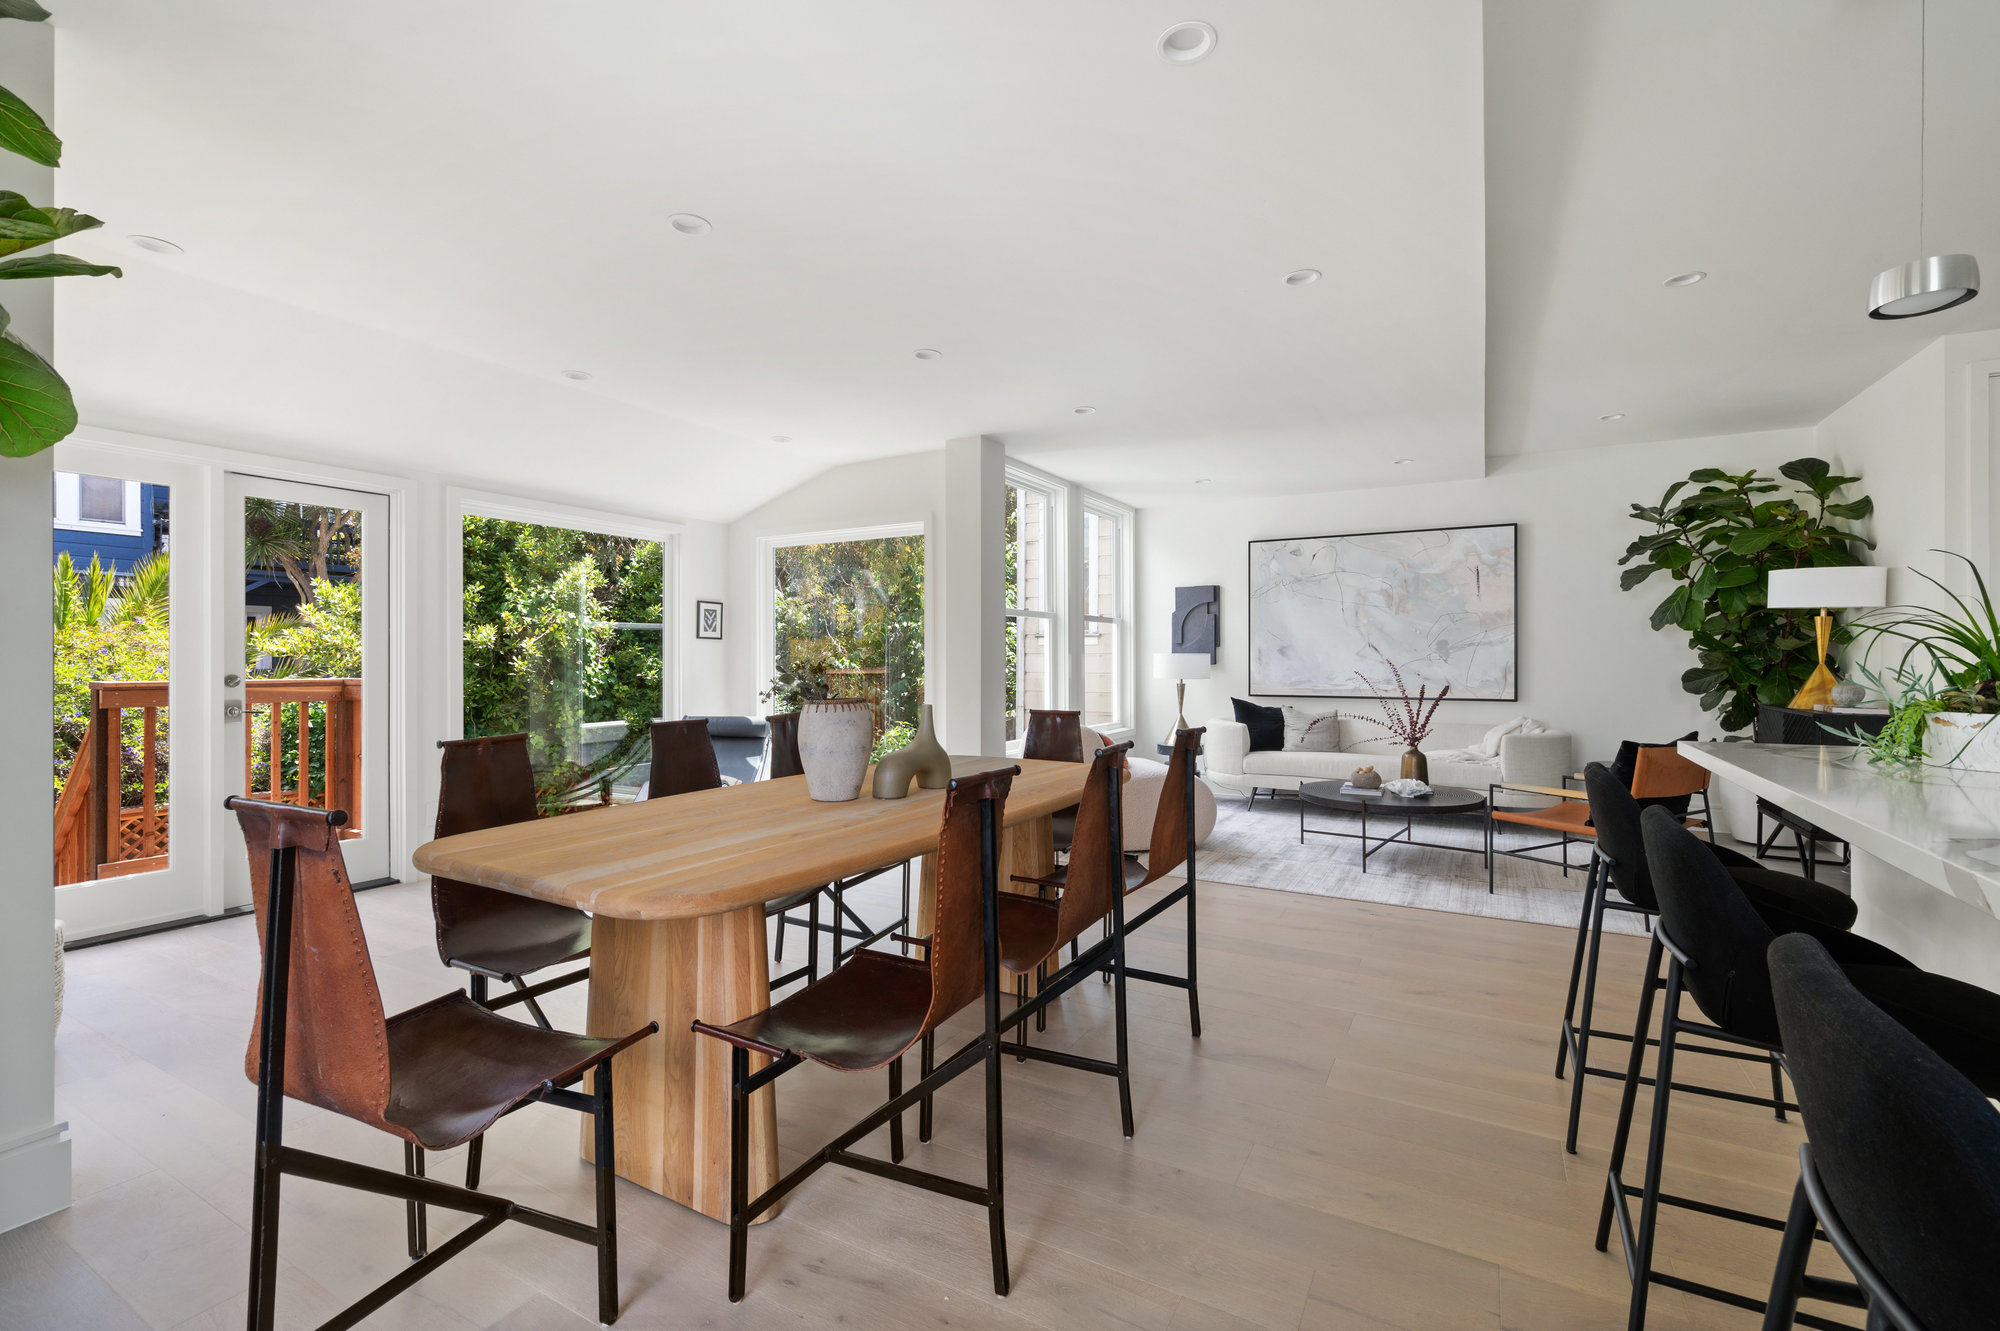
<point x="690" y="225"/>
<point x="928" y="353"/>
<point x="1202" y="481"/>
<point x="154" y="245"/>
<point x="1614" y="416"/>
<point x="1404" y="462"/>
<point x="781" y="439"/>
<point x="1685" y="279"/>
<point x="578" y="375"/>
<point x="1303" y="277"/>
<point x="1084" y="411"/>
<point x="1185" y="43"/>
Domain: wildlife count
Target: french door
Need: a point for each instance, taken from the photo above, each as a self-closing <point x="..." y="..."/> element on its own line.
<point x="303" y="634"/>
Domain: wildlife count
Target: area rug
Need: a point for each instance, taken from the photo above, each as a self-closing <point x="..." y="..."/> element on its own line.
<point x="1259" y="847"/>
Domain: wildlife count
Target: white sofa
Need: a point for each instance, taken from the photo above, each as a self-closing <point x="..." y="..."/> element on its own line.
<point x="1139" y="804"/>
<point x="1540" y="759"/>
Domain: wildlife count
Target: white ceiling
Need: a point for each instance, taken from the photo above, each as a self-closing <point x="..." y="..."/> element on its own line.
<point x="401" y="221"/>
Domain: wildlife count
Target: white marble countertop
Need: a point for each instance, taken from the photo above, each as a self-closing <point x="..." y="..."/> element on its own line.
<point x="1938" y="824"/>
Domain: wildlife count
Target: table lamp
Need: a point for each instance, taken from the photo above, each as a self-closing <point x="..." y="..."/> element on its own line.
<point x="1850" y="587"/>
<point x="1179" y="667"/>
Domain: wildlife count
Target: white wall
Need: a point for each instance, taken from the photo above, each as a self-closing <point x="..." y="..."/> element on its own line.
<point x="1589" y="662"/>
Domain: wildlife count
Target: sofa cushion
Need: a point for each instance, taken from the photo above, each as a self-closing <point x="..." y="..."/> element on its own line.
<point x="1266" y="725"/>
<point x="1307" y="766"/>
<point x="1311" y="732"/>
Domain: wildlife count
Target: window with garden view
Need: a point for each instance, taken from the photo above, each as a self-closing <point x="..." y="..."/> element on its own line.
<point x="847" y="621"/>
<point x="1030" y="615"/>
<point x="563" y="641"/>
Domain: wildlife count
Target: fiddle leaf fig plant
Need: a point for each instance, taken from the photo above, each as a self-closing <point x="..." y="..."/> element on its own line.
<point x="1717" y="544"/>
<point x="36" y="408"/>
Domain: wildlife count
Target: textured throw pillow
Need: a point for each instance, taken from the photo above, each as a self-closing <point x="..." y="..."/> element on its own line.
<point x="1311" y="732"/>
<point x="1267" y="725"/>
<point x="1626" y="766"/>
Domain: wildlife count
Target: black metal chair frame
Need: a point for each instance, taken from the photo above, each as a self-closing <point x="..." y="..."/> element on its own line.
<point x="984" y="1048"/>
<point x="1493" y="847"/>
<point x="847" y="927"/>
<point x="1805" y="838"/>
<point x="274" y="1160"/>
<point x="1638" y="1243"/>
<point x="1184" y="891"/>
<point x="1813" y="1216"/>
<point x="1574" y="1047"/>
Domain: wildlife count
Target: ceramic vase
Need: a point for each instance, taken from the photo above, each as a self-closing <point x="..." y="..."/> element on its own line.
<point x="835" y="738"/>
<point x="1416" y="767"/>
<point x="924" y="759"/>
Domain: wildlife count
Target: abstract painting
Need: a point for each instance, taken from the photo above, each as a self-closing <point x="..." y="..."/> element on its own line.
<point x="1328" y="612"/>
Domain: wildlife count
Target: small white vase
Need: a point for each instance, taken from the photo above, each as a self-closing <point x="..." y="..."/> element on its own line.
<point x="1965" y="740"/>
<point x="835" y="739"/>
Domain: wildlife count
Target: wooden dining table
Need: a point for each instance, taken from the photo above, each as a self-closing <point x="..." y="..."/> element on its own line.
<point x="677" y="888"/>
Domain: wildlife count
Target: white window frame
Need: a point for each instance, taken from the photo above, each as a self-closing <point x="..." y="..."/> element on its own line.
<point x="69" y="503"/>
<point x="1055" y="586"/>
<point x="1097" y="507"/>
<point x="767" y="585"/>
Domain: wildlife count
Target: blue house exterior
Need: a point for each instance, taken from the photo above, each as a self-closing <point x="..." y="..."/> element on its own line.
<point x="140" y="531"/>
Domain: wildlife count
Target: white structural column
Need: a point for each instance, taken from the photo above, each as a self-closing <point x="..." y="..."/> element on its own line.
<point x="971" y="686"/>
<point x="34" y="1150"/>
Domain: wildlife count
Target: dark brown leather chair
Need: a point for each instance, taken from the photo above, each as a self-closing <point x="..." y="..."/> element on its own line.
<point x="784" y="753"/>
<point x="1033" y="930"/>
<point x="1056" y="737"/>
<point x="436" y="1076"/>
<point x="1172" y="846"/>
<point x="870" y="1012"/>
<point x="683" y="759"/>
<point x="486" y="782"/>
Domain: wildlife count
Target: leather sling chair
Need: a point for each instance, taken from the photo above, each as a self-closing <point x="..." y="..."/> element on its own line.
<point x="437" y="1075"/>
<point x="1659" y="775"/>
<point x="1716" y="946"/>
<point x="484" y="783"/>
<point x="1618" y="865"/>
<point x="1034" y="929"/>
<point x="1056" y="737"/>
<point x="1902" y="1172"/>
<point x="1171" y="846"/>
<point x="850" y="932"/>
<point x="870" y="1012"/>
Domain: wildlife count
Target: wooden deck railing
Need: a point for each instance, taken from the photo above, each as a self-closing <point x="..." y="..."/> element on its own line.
<point x="99" y="836"/>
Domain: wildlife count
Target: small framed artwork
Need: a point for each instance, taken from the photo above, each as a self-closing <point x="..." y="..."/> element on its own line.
<point x="708" y="619"/>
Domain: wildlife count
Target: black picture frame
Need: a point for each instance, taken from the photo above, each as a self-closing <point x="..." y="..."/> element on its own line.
<point x="1257" y="687"/>
<point x="708" y="620"/>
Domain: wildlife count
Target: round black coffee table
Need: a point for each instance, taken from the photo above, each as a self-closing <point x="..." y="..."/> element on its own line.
<point x="1443" y="801"/>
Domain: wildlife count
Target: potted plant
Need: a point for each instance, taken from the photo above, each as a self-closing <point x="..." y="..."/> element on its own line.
<point x="1407" y="719"/>
<point x="1957" y="648"/>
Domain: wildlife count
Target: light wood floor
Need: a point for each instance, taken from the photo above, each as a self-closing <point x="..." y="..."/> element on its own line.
<point x="1367" y="1136"/>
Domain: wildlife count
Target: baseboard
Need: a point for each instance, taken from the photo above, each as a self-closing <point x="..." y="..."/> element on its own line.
<point x="34" y="1176"/>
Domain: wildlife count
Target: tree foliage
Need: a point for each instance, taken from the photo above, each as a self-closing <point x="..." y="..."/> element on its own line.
<point x="322" y="641"/>
<point x="1718" y="545"/>
<point x="103" y="631"/>
<point x="849" y="622"/>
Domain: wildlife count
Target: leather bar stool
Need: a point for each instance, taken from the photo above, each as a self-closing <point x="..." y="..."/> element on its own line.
<point x="1902" y="1171"/>
<point x="1056" y="737"/>
<point x="1659" y="776"/>
<point x="1033" y="930"/>
<point x="1619" y="867"/>
<point x="487" y="782"/>
<point x="866" y="1015"/>
<point x="1717" y="945"/>
<point x="436" y="1076"/>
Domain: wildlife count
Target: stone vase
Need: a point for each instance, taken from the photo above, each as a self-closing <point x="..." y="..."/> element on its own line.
<point x="924" y="759"/>
<point x="835" y="738"/>
<point x="1416" y="767"/>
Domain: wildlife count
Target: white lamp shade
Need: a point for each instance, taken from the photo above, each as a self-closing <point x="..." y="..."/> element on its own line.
<point x="1180" y="665"/>
<point x="1854" y="587"/>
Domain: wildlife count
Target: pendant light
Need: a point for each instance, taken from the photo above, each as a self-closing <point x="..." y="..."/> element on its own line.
<point x="1938" y="281"/>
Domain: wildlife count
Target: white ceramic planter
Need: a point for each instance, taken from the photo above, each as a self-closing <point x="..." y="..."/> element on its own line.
<point x="835" y="739"/>
<point x="1964" y="740"/>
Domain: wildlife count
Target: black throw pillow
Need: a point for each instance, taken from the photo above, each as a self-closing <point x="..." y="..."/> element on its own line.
<point x="1626" y="766"/>
<point x="1267" y="724"/>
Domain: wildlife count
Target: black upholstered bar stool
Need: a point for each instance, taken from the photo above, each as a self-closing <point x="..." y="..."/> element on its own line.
<point x="1619" y="880"/>
<point x="1902" y="1172"/>
<point x="1716" y="946"/>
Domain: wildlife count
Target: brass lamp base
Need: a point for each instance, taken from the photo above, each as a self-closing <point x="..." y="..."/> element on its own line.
<point x="1818" y="688"/>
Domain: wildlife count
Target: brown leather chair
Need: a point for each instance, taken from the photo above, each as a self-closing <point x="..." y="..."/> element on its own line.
<point x="870" y="1012"/>
<point x="784" y="753"/>
<point x="1659" y="773"/>
<point x="683" y="759"/>
<point x="1033" y="930"/>
<point x="1171" y="847"/>
<point x="436" y="1075"/>
<point x="486" y="782"/>
<point x="1056" y="737"/>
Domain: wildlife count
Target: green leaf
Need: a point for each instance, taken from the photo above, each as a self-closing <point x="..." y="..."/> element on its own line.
<point x="25" y="10"/>
<point x="54" y="265"/>
<point x="1733" y="600"/>
<point x="1701" y="681"/>
<point x="1854" y="511"/>
<point x="1632" y="577"/>
<point x="1806" y="471"/>
<point x="1670" y="610"/>
<point x="24" y="132"/>
<point x="1736" y="577"/>
<point x="1706" y="475"/>
<point x="1704" y="587"/>
<point x="24" y="226"/>
<point x="1752" y="539"/>
<point x="36" y="409"/>
<point x="1673" y="558"/>
<point x="1713" y="699"/>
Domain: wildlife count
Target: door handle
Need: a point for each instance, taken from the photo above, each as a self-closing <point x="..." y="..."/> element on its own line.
<point x="232" y="710"/>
